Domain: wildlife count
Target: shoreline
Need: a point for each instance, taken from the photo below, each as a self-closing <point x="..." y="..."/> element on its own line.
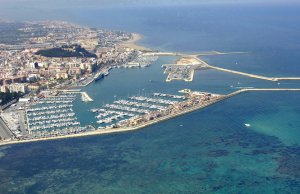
<point x="117" y="130"/>
<point x="185" y="59"/>
<point x="138" y="127"/>
<point x="133" y="43"/>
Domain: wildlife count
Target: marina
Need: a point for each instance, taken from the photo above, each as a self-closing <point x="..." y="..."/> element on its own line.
<point x="179" y="72"/>
<point x="183" y="69"/>
<point x="53" y="115"/>
<point x="122" y="112"/>
<point x="138" y="104"/>
<point x="62" y="123"/>
<point x="140" y="61"/>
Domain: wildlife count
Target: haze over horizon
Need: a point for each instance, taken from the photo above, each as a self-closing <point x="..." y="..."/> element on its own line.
<point x="42" y="9"/>
<point x="90" y="3"/>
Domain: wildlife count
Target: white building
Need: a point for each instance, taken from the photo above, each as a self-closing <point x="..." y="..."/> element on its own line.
<point x="18" y="87"/>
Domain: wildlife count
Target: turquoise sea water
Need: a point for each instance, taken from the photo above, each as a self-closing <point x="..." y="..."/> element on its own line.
<point x="208" y="151"/>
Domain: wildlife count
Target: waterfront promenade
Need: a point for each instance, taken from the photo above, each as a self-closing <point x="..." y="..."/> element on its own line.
<point x="167" y="117"/>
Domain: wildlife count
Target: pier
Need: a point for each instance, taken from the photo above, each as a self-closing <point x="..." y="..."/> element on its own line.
<point x="274" y="79"/>
<point x="195" y="55"/>
<point x="84" y="96"/>
<point x="162" y="54"/>
<point x="241" y="73"/>
<point x="269" y="89"/>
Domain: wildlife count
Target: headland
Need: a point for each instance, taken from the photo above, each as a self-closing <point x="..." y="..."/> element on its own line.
<point x="132" y="43"/>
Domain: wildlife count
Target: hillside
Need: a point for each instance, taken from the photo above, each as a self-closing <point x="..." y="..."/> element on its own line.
<point x="66" y="51"/>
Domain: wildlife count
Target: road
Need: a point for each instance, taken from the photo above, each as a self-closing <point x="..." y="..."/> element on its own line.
<point x="5" y="133"/>
<point x="22" y="122"/>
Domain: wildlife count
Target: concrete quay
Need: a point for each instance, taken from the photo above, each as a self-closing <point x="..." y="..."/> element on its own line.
<point x="84" y="96"/>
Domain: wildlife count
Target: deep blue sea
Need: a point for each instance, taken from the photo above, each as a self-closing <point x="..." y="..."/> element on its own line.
<point x="208" y="151"/>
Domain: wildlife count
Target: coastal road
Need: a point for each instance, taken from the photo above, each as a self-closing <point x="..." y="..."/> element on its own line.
<point x="5" y="133"/>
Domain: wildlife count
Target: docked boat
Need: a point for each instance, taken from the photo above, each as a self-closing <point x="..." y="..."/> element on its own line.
<point x="106" y="73"/>
<point x="98" y="76"/>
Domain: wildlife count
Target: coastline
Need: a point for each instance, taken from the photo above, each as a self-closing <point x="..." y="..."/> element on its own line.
<point x="138" y="127"/>
<point x="118" y="130"/>
<point x="133" y="43"/>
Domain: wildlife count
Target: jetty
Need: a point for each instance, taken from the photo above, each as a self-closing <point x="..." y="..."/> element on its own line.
<point x="274" y="79"/>
<point x="204" y="65"/>
<point x="84" y="95"/>
<point x="207" y="53"/>
<point x="162" y="54"/>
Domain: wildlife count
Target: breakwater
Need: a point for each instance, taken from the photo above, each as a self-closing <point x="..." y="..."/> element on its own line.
<point x="205" y="65"/>
<point x="274" y="79"/>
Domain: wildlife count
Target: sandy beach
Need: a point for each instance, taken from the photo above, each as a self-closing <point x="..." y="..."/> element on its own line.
<point x="188" y="60"/>
<point x="133" y="43"/>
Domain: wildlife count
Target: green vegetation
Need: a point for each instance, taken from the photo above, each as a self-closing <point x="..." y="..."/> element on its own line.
<point x="34" y="80"/>
<point x="7" y="97"/>
<point x="66" y="51"/>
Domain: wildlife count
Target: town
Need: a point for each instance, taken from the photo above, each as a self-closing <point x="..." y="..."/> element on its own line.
<point x="38" y="58"/>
